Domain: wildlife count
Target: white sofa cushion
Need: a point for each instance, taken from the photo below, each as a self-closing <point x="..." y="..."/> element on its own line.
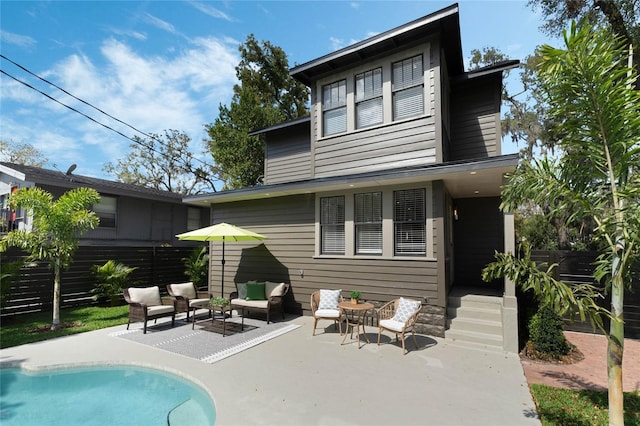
<point x="327" y="313"/>
<point x="406" y="308"/>
<point x="250" y="303"/>
<point x="392" y="325"/>
<point x="159" y="309"/>
<point x="149" y="296"/>
<point x="186" y="290"/>
<point x="272" y="289"/>
<point x="329" y="299"/>
<point x="198" y="302"/>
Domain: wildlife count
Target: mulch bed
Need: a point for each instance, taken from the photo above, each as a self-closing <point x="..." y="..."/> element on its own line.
<point x="45" y="328"/>
<point x="529" y="353"/>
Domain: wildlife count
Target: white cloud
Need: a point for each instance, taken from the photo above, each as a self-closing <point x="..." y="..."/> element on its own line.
<point x="159" y="23"/>
<point x="211" y="11"/>
<point x="336" y="43"/>
<point x="17" y="39"/>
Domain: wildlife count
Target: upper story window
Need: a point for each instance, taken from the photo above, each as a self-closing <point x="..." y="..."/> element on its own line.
<point x="408" y="88"/>
<point x="368" y="222"/>
<point x="107" y="211"/>
<point x="332" y="225"/>
<point x="334" y="107"/>
<point x="409" y="222"/>
<point x="193" y="218"/>
<point x="369" y="98"/>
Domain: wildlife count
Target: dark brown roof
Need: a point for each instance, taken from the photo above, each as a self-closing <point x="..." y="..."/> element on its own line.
<point x="103" y="186"/>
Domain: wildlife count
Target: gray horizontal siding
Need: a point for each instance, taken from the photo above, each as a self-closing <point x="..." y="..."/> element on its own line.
<point x="288" y="156"/>
<point x="406" y="144"/>
<point x="475" y="122"/>
<point x="288" y="222"/>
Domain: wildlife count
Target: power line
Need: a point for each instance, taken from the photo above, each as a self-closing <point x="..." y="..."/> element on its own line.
<point x="150" y="136"/>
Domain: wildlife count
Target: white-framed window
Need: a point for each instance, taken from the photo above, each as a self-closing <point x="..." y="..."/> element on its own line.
<point x="368" y="222"/>
<point x="334" y="108"/>
<point x="408" y="88"/>
<point x="193" y="218"/>
<point x="107" y="211"/>
<point x="369" y="107"/>
<point x="409" y="222"/>
<point x="332" y="216"/>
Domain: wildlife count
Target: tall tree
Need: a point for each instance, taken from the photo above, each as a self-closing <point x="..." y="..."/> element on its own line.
<point x="165" y="162"/>
<point x="266" y="95"/>
<point x="621" y="16"/>
<point x="595" y="110"/>
<point x="21" y="153"/>
<point x="57" y="227"/>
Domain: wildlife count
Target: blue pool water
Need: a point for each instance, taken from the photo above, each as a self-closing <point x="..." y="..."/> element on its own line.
<point x="101" y="396"/>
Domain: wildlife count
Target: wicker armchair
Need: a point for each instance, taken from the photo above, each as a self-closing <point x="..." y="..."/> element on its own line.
<point x="146" y="304"/>
<point x="334" y="315"/>
<point x="399" y="316"/>
<point x="187" y="296"/>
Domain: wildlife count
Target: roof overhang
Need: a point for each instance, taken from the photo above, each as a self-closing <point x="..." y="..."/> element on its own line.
<point x="463" y="179"/>
<point x="445" y="23"/>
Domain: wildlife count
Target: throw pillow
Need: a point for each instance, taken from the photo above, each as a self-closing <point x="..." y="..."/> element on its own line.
<point x="242" y="290"/>
<point x="329" y="299"/>
<point x="406" y="308"/>
<point x="255" y="291"/>
<point x="272" y="289"/>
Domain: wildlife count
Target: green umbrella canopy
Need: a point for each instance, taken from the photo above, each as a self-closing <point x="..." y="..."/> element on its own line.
<point x="221" y="232"/>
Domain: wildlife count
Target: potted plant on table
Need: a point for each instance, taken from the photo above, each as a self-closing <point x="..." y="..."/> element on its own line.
<point x="218" y="302"/>
<point x="355" y="296"/>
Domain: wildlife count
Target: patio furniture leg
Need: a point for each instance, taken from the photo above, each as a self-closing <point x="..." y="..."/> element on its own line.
<point x="415" y="342"/>
<point x="315" y="324"/>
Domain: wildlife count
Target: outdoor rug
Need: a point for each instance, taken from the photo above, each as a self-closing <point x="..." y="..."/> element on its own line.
<point x="206" y="342"/>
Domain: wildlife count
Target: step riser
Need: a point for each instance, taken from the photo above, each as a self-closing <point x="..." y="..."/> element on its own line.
<point x="456" y="302"/>
<point x="473" y="338"/>
<point x="457" y="324"/>
<point x="475" y="314"/>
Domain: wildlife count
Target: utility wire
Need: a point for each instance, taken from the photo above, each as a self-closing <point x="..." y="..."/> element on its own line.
<point x="150" y="136"/>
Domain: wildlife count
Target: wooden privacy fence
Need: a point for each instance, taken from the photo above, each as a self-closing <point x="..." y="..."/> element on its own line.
<point x="33" y="291"/>
<point x="577" y="267"/>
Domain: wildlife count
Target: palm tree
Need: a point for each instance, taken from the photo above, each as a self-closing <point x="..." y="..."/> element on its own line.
<point x="57" y="227"/>
<point x="589" y="87"/>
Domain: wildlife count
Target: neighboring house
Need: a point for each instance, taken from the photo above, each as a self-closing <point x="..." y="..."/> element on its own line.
<point x="391" y="187"/>
<point x="130" y="215"/>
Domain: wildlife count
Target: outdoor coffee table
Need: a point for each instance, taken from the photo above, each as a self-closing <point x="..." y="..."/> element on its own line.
<point x="355" y="315"/>
<point x="223" y="310"/>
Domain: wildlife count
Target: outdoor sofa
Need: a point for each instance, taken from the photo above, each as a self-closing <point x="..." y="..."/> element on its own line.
<point x="261" y="297"/>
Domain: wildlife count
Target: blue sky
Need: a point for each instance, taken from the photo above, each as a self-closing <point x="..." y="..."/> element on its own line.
<point x="160" y="65"/>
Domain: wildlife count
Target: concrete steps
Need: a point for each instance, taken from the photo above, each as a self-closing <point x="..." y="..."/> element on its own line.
<point x="475" y="318"/>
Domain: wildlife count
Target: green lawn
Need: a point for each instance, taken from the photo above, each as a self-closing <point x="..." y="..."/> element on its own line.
<point x="31" y="328"/>
<point x="563" y="407"/>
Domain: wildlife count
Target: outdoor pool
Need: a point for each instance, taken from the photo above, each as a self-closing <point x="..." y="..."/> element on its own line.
<point x="102" y="396"/>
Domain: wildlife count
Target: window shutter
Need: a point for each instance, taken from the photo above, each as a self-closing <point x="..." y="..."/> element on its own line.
<point x="332" y="225"/>
<point x="410" y="222"/>
<point x="368" y="222"/>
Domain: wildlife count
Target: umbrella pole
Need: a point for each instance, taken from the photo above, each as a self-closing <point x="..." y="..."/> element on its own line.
<point x="222" y="286"/>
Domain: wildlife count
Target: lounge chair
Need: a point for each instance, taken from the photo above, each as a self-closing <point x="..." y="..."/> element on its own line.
<point x="324" y="306"/>
<point x="187" y="297"/>
<point x="146" y="304"/>
<point x="399" y="316"/>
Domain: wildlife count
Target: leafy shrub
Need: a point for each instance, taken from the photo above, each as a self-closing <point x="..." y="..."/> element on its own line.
<point x="197" y="266"/>
<point x="545" y="333"/>
<point x="111" y="279"/>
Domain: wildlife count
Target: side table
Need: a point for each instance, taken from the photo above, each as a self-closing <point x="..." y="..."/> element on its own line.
<point x="223" y="310"/>
<point x="355" y="315"/>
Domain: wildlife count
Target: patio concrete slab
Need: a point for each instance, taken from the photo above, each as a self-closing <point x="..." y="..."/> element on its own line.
<point x="300" y="379"/>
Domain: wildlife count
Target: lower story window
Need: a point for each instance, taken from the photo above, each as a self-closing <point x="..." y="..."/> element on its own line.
<point x="332" y="225"/>
<point x="409" y="222"/>
<point x="368" y="222"/>
<point x="106" y="210"/>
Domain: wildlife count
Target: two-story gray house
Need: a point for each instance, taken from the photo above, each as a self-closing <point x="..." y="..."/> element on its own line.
<point x="391" y="186"/>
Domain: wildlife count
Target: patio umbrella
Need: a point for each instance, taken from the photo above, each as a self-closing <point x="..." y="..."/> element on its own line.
<point x="221" y="232"/>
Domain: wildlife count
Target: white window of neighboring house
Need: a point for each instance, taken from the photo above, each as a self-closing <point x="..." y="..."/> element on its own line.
<point x="409" y="222"/>
<point x="193" y="218"/>
<point x="369" y="98"/>
<point x="334" y="108"/>
<point x="368" y="222"/>
<point x="107" y="211"/>
<point x="408" y="88"/>
<point x="332" y="225"/>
